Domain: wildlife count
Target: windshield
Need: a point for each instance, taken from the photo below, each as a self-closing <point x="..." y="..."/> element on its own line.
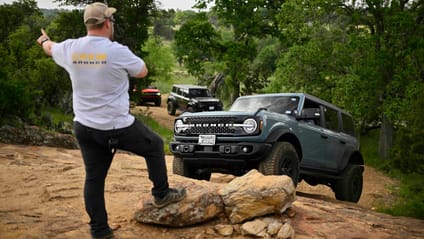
<point x="199" y="93"/>
<point x="278" y="104"/>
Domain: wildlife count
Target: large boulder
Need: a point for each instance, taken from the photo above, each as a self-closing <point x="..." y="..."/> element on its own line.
<point x="246" y="197"/>
<point x="201" y="204"/>
<point x="255" y="194"/>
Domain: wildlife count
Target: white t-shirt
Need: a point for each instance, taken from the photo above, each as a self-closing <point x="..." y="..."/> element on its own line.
<point x="99" y="70"/>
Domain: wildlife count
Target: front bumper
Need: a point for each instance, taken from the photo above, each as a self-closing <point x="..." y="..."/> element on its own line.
<point x="152" y="98"/>
<point x="220" y="154"/>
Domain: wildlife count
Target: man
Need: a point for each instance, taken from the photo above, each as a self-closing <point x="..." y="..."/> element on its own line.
<point x="99" y="69"/>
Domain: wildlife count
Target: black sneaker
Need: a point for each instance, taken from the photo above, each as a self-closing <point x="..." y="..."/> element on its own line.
<point x="174" y="195"/>
<point x="109" y="236"/>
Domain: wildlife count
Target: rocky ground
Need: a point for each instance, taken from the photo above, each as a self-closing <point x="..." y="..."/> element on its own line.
<point x="41" y="197"/>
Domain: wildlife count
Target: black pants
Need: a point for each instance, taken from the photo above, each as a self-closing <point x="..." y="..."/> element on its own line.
<point x="97" y="153"/>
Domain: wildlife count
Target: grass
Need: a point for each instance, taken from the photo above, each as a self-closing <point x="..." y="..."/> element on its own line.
<point x="410" y="196"/>
<point x="166" y="134"/>
<point x="179" y="76"/>
<point x="409" y="193"/>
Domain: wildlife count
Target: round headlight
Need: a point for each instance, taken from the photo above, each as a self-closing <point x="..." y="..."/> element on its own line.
<point x="178" y="126"/>
<point x="250" y="126"/>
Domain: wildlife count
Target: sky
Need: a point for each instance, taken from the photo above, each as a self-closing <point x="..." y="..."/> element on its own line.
<point x="165" y="4"/>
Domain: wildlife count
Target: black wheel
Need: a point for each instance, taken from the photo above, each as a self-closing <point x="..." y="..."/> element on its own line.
<point x="283" y="160"/>
<point x="171" y="108"/>
<point x="181" y="168"/>
<point x="158" y="102"/>
<point x="349" y="188"/>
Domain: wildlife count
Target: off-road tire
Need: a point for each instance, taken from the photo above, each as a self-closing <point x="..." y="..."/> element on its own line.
<point x="283" y="160"/>
<point x="349" y="188"/>
<point x="182" y="169"/>
<point x="158" y="102"/>
<point x="171" y="108"/>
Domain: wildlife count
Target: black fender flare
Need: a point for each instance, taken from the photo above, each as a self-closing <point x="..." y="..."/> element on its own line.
<point x="282" y="133"/>
<point x="172" y="100"/>
<point x="351" y="156"/>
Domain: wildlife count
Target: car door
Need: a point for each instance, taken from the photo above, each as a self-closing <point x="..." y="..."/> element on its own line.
<point x="185" y="98"/>
<point x="334" y="144"/>
<point x="310" y="133"/>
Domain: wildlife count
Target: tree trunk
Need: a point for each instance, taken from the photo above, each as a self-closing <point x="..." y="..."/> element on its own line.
<point x="386" y="138"/>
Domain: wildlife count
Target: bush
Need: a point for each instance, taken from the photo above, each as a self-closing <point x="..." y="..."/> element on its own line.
<point x="15" y="100"/>
<point x="410" y="196"/>
<point x="406" y="166"/>
<point x="408" y="151"/>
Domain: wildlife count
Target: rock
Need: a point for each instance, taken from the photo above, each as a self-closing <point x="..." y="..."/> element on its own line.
<point x="201" y="204"/>
<point x="274" y="227"/>
<point x="33" y="135"/>
<point x="255" y="228"/>
<point x="286" y="232"/>
<point x="224" y="230"/>
<point x="290" y="212"/>
<point x="254" y="194"/>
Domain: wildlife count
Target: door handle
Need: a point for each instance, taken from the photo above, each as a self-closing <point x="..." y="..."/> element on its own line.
<point x="342" y="142"/>
<point x="324" y="136"/>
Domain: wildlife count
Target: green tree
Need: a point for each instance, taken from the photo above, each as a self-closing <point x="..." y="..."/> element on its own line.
<point x="363" y="56"/>
<point x="14" y="15"/>
<point x="163" y="24"/>
<point x="235" y="53"/>
<point x="17" y="97"/>
<point x="160" y="60"/>
<point x="197" y="44"/>
<point x="133" y="17"/>
<point x="67" y="24"/>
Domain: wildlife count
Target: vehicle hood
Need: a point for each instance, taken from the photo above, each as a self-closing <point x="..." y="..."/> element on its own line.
<point x="206" y="99"/>
<point x="217" y="114"/>
<point x="263" y="113"/>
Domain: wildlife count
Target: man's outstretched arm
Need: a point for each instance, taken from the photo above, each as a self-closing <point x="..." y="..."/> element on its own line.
<point x="45" y="42"/>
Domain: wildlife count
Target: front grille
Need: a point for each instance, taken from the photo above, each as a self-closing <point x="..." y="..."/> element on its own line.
<point x="212" y="120"/>
<point x="213" y="125"/>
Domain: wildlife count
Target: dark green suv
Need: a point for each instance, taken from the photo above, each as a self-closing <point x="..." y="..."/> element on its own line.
<point x="292" y="134"/>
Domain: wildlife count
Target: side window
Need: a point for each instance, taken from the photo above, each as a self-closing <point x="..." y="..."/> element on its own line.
<point x="174" y="89"/>
<point x="193" y="93"/>
<point x="331" y="119"/>
<point x="348" y="126"/>
<point x="312" y="108"/>
<point x="185" y="93"/>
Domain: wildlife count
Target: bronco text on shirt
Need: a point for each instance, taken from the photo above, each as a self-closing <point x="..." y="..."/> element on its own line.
<point x="99" y="70"/>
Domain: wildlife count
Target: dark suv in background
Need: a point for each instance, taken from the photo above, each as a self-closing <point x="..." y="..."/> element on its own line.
<point x="191" y="98"/>
<point x="293" y="134"/>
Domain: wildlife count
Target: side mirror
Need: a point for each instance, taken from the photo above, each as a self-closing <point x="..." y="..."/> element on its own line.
<point x="309" y="113"/>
